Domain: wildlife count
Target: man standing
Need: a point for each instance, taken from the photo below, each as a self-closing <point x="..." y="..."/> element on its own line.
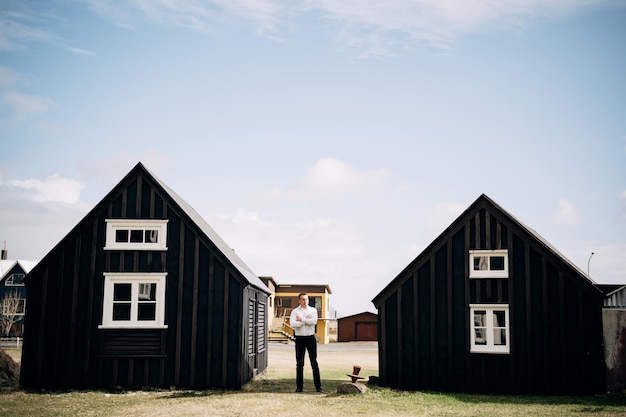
<point x="303" y="320"/>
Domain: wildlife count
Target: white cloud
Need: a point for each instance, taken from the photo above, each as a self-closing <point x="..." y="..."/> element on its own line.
<point x="334" y="176"/>
<point x="53" y="188"/>
<point x="329" y="178"/>
<point x="196" y="15"/>
<point x="79" y="51"/>
<point x="321" y="238"/>
<point x="314" y="251"/>
<point x="13" y="33"/>
<point x="265" y="12"/>
<point x="374" y="26"/>
<point x="438" y="22"/>
<point x="20" y="26"/>
<point x="36" y="213"/>
<point x="567" y="214"/>
<point x="21" y="107"/>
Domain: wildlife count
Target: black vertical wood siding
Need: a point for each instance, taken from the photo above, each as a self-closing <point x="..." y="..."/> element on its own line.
<point x="205" y="344"/>
<point x="555" y="317"/>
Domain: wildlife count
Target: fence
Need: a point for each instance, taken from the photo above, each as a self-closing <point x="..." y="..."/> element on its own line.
<point x="10" y="342"/>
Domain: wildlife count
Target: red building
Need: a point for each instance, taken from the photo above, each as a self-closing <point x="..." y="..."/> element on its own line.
<point x="362" y="327"/>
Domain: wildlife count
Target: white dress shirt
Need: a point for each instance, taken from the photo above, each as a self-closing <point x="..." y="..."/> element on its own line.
<point x="308" y="316"/>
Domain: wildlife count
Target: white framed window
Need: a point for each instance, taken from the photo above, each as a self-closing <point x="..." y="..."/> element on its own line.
<point x="489" y="328"/>
<point x="15" y="280"/>
<point x="134" y="300"/>
<point x="16" y="307"/>
<point x="136" y="234"/>
<point x="489" y="263"/>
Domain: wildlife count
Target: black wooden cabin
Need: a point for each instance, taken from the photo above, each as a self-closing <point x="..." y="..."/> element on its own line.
<point x="491" y="307"/>
<point x="143" y="293"/>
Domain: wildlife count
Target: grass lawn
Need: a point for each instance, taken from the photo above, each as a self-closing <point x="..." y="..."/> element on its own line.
<point x="272" y="395"/>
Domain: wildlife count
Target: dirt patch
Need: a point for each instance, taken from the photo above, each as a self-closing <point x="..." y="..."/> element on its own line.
<point x="342" y="355"/>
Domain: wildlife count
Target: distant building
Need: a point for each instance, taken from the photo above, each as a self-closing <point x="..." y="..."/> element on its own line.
<point x="614" y="322"/>
<point x="362" y="327"/>
<point x="284" y="298"/>
<point x="12" y="273"/>
<point x="614" y="295"/>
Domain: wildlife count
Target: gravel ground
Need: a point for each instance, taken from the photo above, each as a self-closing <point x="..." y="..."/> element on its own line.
<point x="332" y="355"/>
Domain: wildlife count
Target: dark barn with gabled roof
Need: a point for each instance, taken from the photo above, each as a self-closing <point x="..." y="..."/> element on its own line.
<point x="491" y="307"/>
<point x="143" y="293"/>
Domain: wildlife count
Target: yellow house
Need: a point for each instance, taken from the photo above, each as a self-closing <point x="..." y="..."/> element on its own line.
<point x="284" y="298"/>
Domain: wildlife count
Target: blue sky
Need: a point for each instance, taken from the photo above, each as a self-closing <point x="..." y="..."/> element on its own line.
<point x="327" y="142"/>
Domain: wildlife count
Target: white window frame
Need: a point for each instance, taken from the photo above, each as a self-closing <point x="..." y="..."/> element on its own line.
<point x="112" y="278"/>
<point x="113" y="225"/>
<point x="489" y="273"/>
<point x="490" y="346"/>
<point x="10" y="281"/>
<point x="21" y="309"/>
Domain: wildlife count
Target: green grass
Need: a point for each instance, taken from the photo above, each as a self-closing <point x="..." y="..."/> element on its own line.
<point x="272" y="395"/>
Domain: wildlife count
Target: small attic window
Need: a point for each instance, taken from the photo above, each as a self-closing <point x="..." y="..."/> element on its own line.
<point x="14" y="280"/>
<point x="136" y="234"/>
<point x="489" y="263"/>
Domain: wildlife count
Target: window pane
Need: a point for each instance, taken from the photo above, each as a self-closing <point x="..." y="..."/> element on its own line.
<point x="481" y="336"/>
<point x="499" y="318"/>
<point x="480" y="263"/>
<point x="121" y="235"/>
<point x="496" y="263"/>
<point x="480" y="318"/>
<point x="151" y="236"/>
<point x="146" y="311"/>
<point x="499" y="337"/>
<point x="315" y="302"/>
<point x="147" y="292"/>
<point x="121" y="311"/>
<point x="136" y="236"/>
<point x="121" y="292"/>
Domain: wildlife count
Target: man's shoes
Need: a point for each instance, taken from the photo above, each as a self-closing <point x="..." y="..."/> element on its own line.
<point x="298" y="390"/>
<point x="320" y="389"/>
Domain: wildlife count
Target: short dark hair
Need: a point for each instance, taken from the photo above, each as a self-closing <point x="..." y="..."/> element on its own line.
<point x="301" y="294"/>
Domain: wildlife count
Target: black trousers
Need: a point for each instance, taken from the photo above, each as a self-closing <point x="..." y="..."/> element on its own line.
<point x="308" y="344"/>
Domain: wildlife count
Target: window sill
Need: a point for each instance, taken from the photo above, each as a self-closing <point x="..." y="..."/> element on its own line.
<point x="134" y="327"/>
<point x="491" y="352"/>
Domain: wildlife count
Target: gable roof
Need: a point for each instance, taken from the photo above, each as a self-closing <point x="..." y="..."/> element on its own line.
<point x="312" y="288"/>
<point x="6" y="266"/>
<point x="610" y="289"/>
<point x="230" y="253"/>
<point x="192" y="214"/>
<point x="365" y="313"/>
<point x="480" y="202"/>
